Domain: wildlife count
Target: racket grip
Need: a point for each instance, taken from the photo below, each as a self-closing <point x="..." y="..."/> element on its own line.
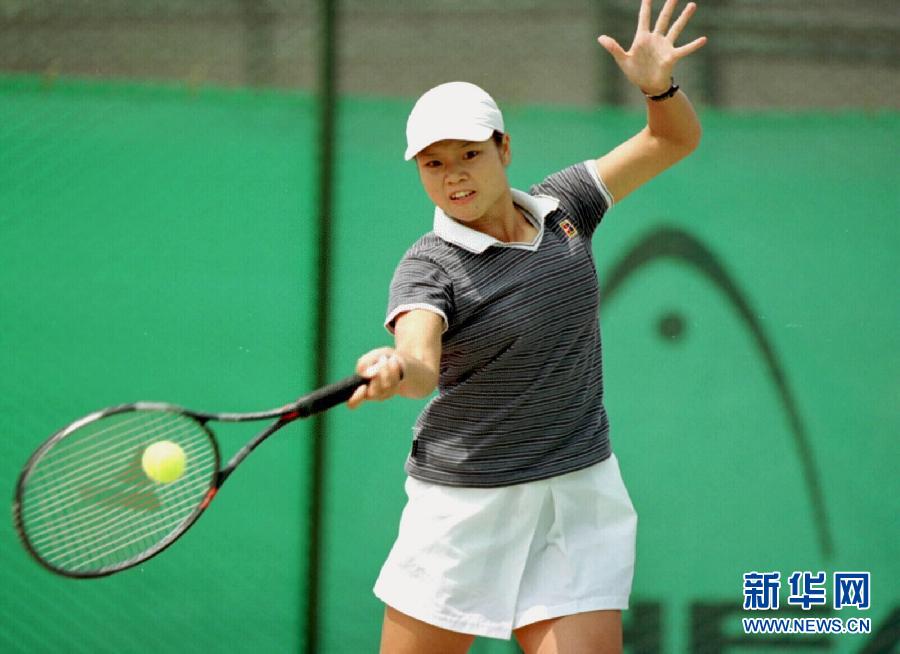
<point x="330" y="396"/>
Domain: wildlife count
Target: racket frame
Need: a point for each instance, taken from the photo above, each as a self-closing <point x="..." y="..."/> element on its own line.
<point x="315" y="402"/>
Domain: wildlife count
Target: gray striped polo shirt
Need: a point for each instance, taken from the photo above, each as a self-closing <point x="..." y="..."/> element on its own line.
<point x="520" y="394"/>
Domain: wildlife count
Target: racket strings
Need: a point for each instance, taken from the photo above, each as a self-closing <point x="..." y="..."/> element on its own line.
<point x="107" y="470"/>
<point x="88" y="505"/>
<point x="94" y="517"/>
<point x="90" y="434"/>
<point x="130" y="491"/>
<point x="119" y="541"/>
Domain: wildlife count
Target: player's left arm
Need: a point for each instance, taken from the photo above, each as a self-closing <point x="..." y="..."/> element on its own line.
<point x="673" y="129"/>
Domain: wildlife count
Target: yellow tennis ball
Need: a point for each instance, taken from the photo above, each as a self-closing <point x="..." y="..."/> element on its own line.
<point x="163" y="461"/>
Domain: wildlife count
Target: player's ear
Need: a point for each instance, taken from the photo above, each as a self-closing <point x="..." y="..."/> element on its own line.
<point x="505" y="151"/>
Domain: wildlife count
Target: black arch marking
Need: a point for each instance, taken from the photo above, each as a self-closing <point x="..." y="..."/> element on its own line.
<point x="673" y="243"/>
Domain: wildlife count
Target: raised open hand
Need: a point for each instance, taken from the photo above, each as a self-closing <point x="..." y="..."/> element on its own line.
<point x="649" y="62"/>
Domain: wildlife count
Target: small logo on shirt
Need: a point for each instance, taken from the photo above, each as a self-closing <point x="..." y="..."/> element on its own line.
<point x="570" y="229"/>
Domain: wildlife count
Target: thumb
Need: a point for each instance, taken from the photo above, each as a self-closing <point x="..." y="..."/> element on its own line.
<point x="358" y="397"/>
<point x="612" y="46"/>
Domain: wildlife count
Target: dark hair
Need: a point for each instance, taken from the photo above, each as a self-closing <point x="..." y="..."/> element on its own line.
<point x="498" y="138"/>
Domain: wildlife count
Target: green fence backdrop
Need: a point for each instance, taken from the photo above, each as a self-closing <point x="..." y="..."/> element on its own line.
<point x="159" y="243"/>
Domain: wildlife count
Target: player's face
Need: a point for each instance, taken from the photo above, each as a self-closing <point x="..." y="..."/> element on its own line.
<point x="466" y="179"/>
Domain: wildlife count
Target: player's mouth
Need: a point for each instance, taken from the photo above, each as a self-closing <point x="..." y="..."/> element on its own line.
<point x="462" y="197"/>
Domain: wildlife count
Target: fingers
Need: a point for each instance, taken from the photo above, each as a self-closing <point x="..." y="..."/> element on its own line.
<point x="662" y="21"/>
<point x="644" y="15"/>
<point x="371" y="370"/>
<point x="665" y="15"/>
<point x="693" y="46"/>
<point x="683" y="19"/>
<point x="612" y="46"/>
<point x="384" y="370"/>
<point x="383" y="384"/>
<point x="367" y="365"/>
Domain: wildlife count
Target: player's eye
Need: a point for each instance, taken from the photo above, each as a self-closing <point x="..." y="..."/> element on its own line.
<point x="471" y="154"/>
<point x="432" y="163"/>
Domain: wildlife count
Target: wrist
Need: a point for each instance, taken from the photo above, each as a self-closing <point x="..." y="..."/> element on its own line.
<point x="658" y="95"/>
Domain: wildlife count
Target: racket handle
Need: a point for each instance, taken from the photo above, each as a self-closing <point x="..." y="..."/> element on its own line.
<point x="329" y="396"/>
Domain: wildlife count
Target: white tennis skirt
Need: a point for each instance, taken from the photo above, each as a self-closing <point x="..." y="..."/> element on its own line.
<point x="486" y="561"/>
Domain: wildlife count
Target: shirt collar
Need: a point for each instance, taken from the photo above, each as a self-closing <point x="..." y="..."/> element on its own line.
<point x="536" y="209"/>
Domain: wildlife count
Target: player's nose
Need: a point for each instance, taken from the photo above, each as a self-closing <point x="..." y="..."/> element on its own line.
<point x="454" y="173"/>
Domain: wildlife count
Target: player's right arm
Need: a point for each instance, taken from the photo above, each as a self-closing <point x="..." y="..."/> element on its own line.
<point x="411" y="367"/>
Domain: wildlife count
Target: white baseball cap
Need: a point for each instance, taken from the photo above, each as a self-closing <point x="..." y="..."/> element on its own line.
<point x="455" y="110"/>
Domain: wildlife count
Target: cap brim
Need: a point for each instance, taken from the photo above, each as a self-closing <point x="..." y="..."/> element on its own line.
<point x="477" y="134"/>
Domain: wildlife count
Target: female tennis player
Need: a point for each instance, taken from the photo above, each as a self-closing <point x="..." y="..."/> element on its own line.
<point x="517" y="520"/>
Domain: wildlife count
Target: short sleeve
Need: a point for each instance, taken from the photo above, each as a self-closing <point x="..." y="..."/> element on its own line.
<point x="581" y="192"/>
<point x="419" y="284"/>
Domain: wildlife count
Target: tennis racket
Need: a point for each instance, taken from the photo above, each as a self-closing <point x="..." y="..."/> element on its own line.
<point x="84" y="507"/>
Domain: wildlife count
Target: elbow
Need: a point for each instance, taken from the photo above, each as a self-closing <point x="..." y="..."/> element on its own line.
<point x="695" y="137"/>
<point x="671" y="149"/>
<point x="689" y="141"/>
<point x="686" y="144"/>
